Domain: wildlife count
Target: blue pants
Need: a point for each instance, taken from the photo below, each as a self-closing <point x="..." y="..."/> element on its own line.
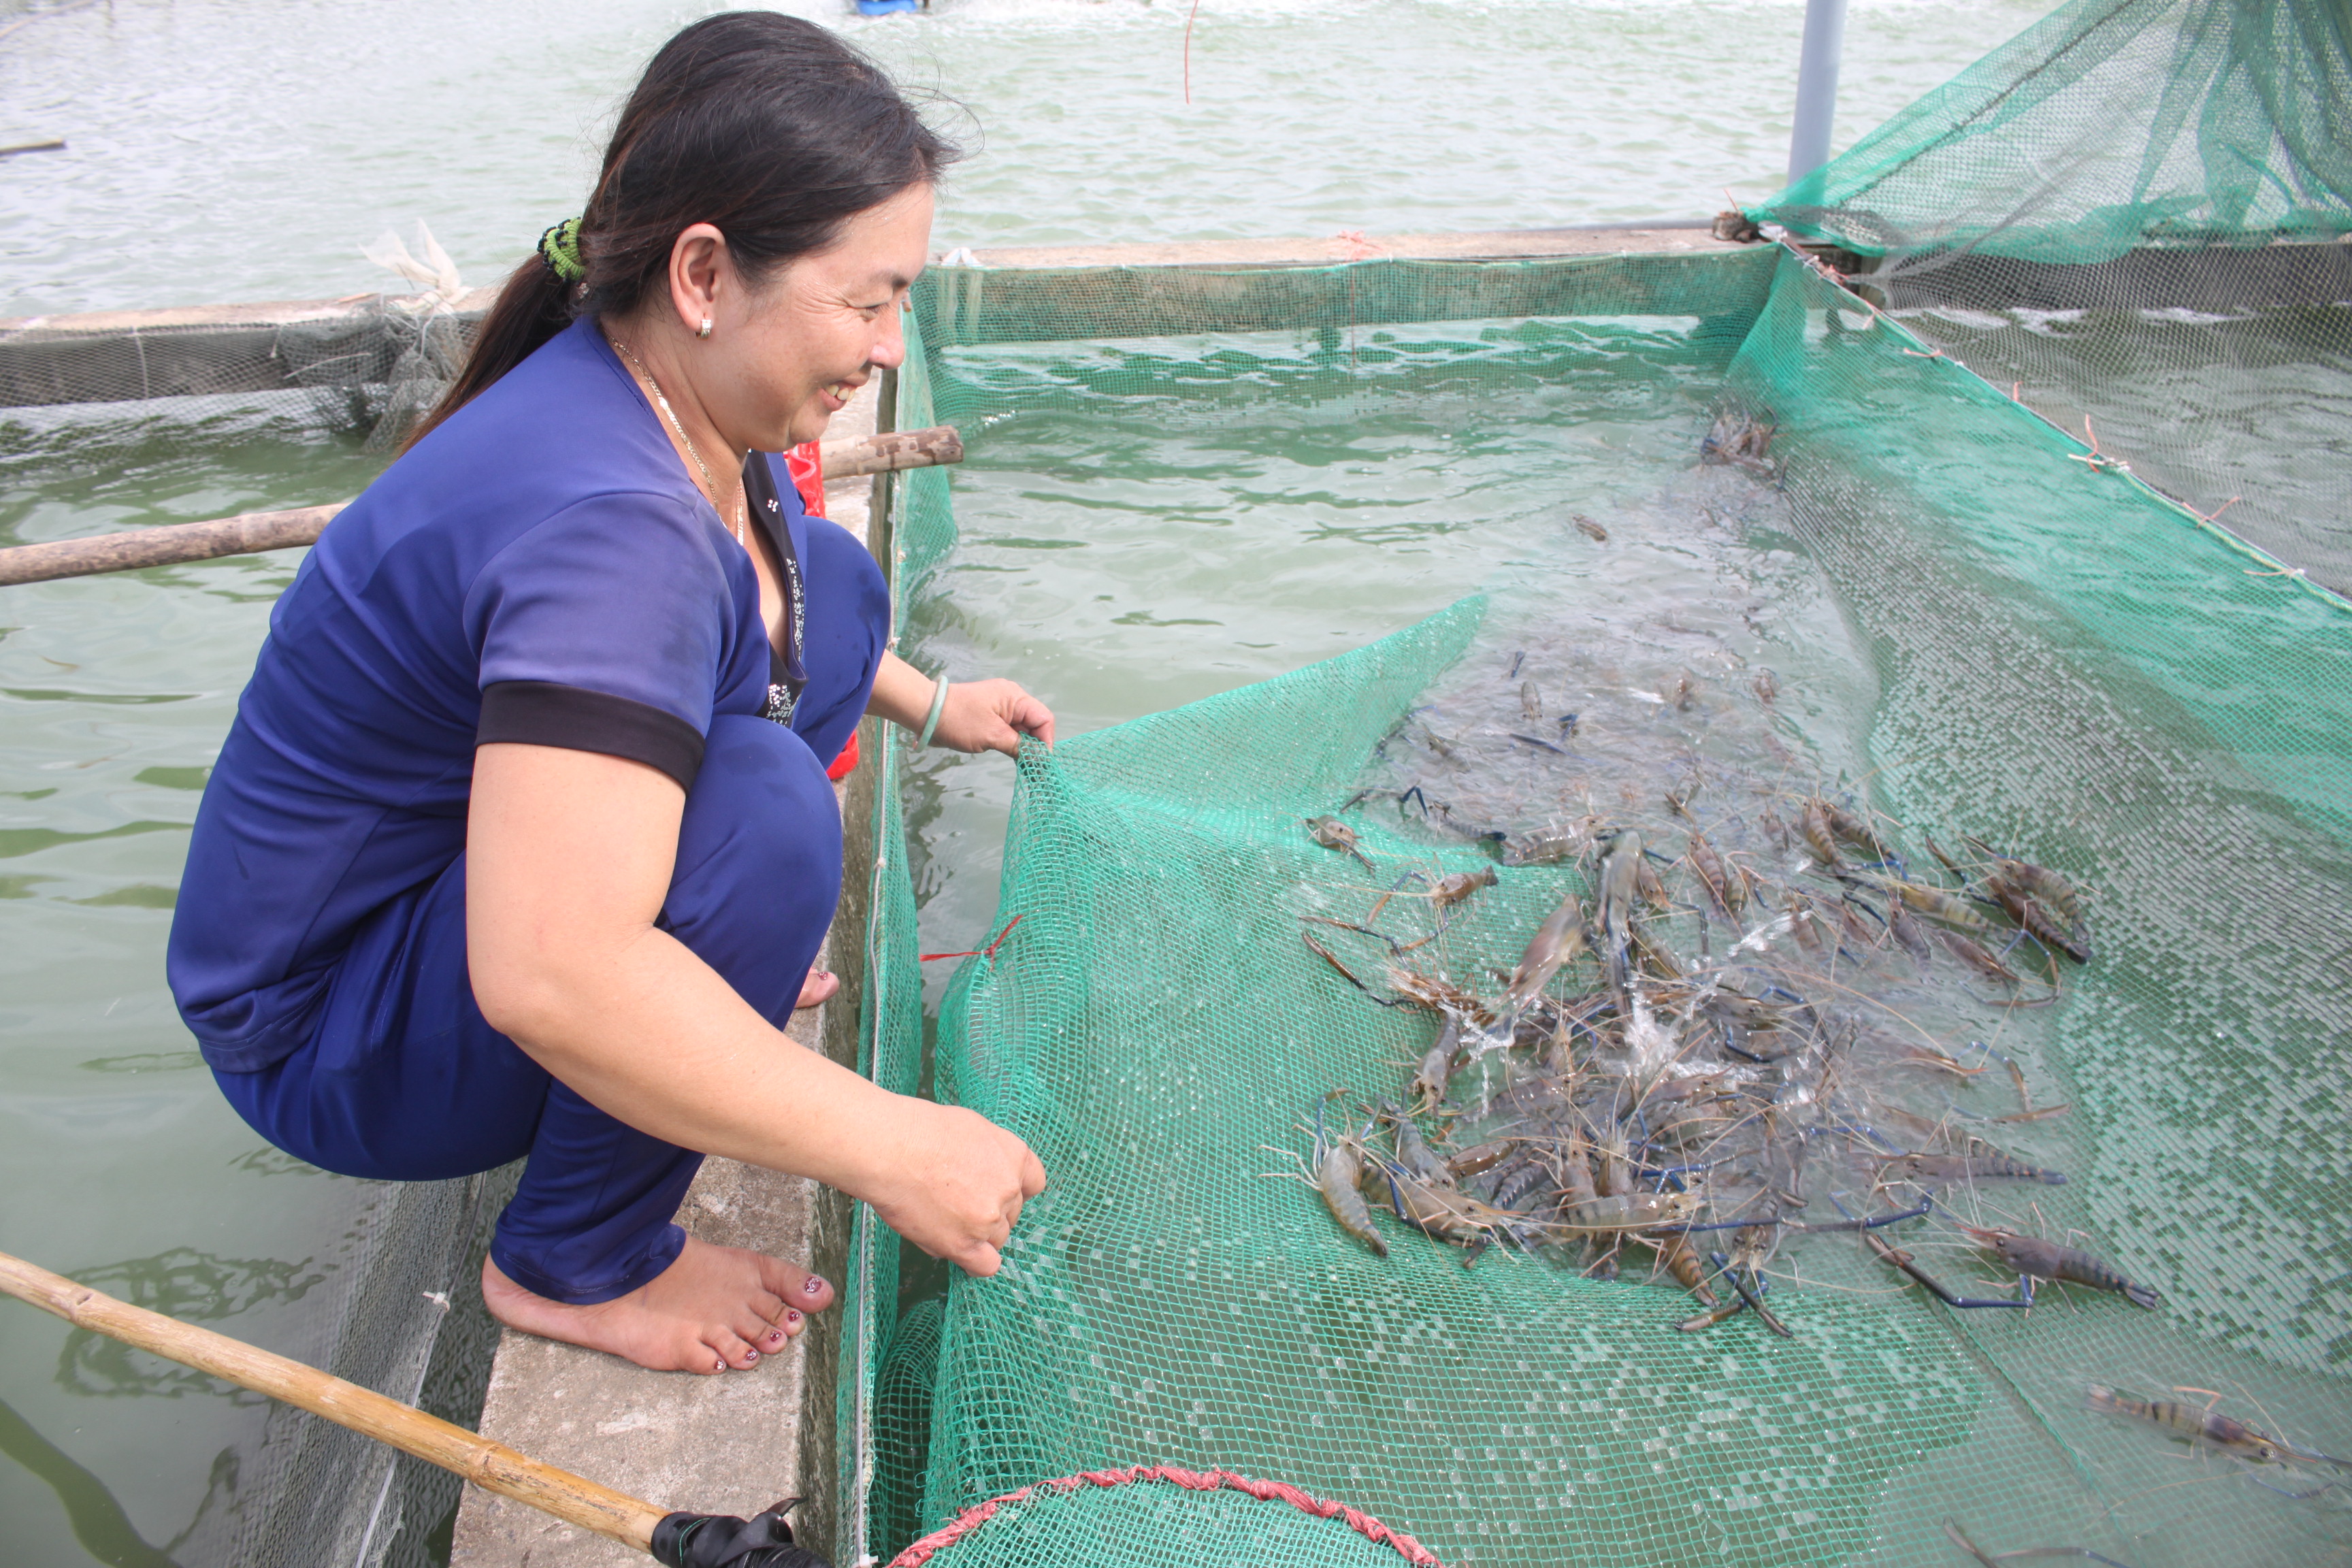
<point x="403" y="1080"/>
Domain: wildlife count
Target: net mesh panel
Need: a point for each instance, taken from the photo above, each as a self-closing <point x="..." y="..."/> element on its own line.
<point x="367" y="371"/>
<point x="883" y="1394"/>
<point x="2137" y="212"/>
<point x="398" y="1309"/>
<point x="2062" y="659"/>
<point x="902" y="1423"/>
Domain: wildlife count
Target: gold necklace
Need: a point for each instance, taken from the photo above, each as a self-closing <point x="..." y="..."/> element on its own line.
<point x="662" y="402"/>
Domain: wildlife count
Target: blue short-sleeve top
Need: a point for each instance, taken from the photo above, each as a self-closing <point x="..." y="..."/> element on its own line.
<point x="538" y="568"/>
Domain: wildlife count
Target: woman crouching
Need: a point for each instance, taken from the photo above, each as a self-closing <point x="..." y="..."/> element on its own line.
<point x="521" y="845"/>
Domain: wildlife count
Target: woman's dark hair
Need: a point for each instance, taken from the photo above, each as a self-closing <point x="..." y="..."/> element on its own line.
<point x="765" y="125"/>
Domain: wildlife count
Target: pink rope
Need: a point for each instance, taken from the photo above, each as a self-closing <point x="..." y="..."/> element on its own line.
<point x="1363" y="1524"/>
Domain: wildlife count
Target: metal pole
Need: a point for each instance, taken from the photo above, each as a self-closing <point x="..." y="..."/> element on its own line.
<point x="1817" y="81"/>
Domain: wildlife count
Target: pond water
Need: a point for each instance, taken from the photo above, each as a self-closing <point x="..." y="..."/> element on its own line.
<point x="245" y="149"/>
<point x="240" y="150"/>
<point x="1126" y="555"/>
<point x="119" y="1161"/>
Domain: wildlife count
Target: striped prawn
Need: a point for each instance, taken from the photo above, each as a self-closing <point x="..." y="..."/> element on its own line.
<point x="2034" y="1259"/>
<point x="1339" y="1175"/>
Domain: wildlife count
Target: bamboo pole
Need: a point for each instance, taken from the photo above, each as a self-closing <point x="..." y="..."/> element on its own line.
<point x="891" y="451"/>
<point x="244" y="534"/>
<point x="489" y="1464"/>
<point x="251" y="533"/>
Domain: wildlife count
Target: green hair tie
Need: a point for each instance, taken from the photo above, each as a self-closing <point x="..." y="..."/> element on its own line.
<point x="560" y="248"/>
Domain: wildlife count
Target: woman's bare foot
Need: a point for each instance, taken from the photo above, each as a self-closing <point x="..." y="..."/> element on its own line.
<point x="817" y="988"/>
<point x="715" y="1308"/>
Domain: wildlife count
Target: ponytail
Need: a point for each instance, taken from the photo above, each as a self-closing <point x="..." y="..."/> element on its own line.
<point x="533" y="307"/>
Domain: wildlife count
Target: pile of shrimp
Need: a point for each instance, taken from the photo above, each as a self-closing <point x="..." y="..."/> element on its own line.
<point x="1758" y="1017"/>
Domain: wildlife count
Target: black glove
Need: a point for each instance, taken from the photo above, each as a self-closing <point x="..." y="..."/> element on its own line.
<point x="722" y="1540"/>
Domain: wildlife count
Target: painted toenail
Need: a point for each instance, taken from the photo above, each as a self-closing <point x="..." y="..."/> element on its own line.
<point x="750" y="1356"/>
<point x="791" y="1314"/>
<point x="814" y="1285"/>
<point x="719" y="1366"/>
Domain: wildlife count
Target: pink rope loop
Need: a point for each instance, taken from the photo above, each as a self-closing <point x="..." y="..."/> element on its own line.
<point x="955" y="1530"/>
<point x="1363" y="1524"/>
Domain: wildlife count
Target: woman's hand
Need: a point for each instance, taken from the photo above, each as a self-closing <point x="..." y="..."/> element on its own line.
<point x="979" y="715"/>
<point x="952" y="1181"/>
<point x="991" y="716"/>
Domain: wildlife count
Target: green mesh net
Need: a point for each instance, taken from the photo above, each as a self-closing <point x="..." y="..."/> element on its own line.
<point x="2048" y="655"/>
<point x="2137" y="214"/>
<point x="2110" y="126"/>
<point x="1987" y="628"/>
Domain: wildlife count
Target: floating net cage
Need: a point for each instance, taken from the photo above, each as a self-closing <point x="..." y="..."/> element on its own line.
<point x="393" y="1303"/>
<point x="403" y="1316"/>
<point x="2136" y="214"/>
<point x="362" y="370"/>
<point x="2061" y="657"/>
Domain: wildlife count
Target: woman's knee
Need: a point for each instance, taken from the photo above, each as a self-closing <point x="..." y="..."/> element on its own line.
<point x="401" y="1078"/>
<point x="759" y="860"/>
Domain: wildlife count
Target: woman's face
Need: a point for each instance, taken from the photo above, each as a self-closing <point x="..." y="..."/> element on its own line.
<point x="790" y="353"/>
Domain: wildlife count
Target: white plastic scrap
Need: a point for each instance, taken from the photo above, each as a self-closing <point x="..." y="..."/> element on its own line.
<point x="1650" y="1044"/>
<point x="437" y="272"/>
<point x="1762" y="936"/>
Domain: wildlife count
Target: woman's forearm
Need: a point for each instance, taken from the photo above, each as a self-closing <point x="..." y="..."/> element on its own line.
<point x="568" y="864"/>
<point x="647" y="1032"/>
<point x="902" y="694"/>
<point x="651" y="1034"/>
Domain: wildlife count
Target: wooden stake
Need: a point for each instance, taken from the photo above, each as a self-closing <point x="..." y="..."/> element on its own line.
<point x="251" y="533"/>
<point x="491" y="1466"/>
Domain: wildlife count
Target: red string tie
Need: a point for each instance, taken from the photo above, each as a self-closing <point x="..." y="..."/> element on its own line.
<point x="987" y="951"/>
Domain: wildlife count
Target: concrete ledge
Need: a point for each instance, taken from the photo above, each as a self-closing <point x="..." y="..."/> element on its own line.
<point x="733" y="1442"/>
<point x="725" y="1443"/>
<point x="119" y="356"/>
<point x="261" y="313"/>
<point x="1330" y="250"/>
<point x="1000" y="292"/>
<point x="1129" y="291"/>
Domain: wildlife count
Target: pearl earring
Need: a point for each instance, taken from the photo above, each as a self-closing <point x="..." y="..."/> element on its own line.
<point x="705" y="332"/>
